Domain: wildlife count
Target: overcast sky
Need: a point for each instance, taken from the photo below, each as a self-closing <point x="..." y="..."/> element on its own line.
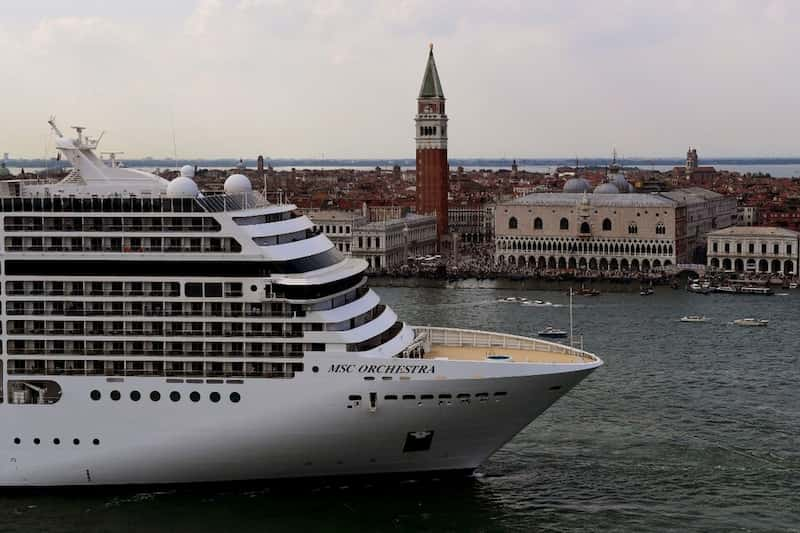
<point x="296" y="78"/>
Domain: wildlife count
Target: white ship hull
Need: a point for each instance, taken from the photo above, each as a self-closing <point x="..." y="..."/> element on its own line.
<point x="154" y="334"/>
<point x="280" y="429"/>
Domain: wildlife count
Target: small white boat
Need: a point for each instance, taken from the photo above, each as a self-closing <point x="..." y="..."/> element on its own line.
<point x="694" y="319"/>
<point x="552" y="333"/>
<point x="726" y="289"/>
<point x="513" y="300"/>
<point x="647" y="291"/>
<point x="764" y="291"/>
<point x="751" y="322"/>
<point x="793" y="285"/>
<point x="537" y="303"/>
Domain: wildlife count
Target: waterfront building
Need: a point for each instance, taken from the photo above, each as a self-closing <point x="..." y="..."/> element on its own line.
<point x="609" y="228"/>
<point x="433" y="170"/>
<point x="338" y="225"/>
<point x="611" y="231"/>
<point x="754" y="249"/>
<point x="473" y="224"/>
<point x="706" y="211"/>
<point x="389" y="243"/>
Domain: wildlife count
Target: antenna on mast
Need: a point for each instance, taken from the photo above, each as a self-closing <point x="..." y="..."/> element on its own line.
<point x="174" y="143"/>
<point x="571" y="336"/>
<point x="52" y="123"/>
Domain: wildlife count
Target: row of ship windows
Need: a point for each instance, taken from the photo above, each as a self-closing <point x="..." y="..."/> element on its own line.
<point x="127" y="288"/>
<point x="246" y="328"/>
<point x="161" y="348"/>
<point x="338" y="293"/>
<point x="182" y="328"/>
<point x="76" y="307"/>
<point x="102" y="205"/>
<point x="183" y="349"/>
<point x="170" y="369"/>
<point x="444" y="398"/>
<point x="123" y="244"/>
<point x="285" y="238"/>
<point x="174" y="396"/>
<point x="56" y="441"/>
<point x="112" y="224"/>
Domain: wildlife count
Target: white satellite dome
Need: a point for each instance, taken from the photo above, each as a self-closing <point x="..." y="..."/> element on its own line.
<point x="187" y="171"/>
<point x="237" y="184"/>
<point x="182" y="186"/>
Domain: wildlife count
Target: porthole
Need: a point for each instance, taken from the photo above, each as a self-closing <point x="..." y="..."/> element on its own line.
<point x="115" y="395"/>
<point x="315" y="369"/>
<point x="56" y="441"/>
<point x="17" y="440"/>
<point x="95" y="395"/>
<point x="136" y="395"/>
<point x="214" y="396"/>
<point x="235" y="397"/>
<point x="155" y="395"/>
<point x="37" y="441"/>
<point x="76" y="441"/>
<point x="175" y="396"/>
<point x="253" y="288"/>
<point x="194" y="396"/>
<point x="96" y="442"/>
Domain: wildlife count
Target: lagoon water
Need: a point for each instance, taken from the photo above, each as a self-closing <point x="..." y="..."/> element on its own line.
<point x="686" y="427"/>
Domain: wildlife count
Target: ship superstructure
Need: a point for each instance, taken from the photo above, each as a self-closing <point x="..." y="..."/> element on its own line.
<point x="153" y="333"/>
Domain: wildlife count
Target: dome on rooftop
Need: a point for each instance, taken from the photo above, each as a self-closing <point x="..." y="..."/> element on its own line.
<point x="187" y="171"/>
<point x="606" y="188"/>
<point x="237" y="184"/>
<point x="577" y="185"/>
<point x="619" y="180"/>
<point x="182" y="186"/>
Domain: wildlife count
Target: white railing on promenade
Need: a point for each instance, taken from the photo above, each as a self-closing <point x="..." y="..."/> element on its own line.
<point x="487" y="339"/>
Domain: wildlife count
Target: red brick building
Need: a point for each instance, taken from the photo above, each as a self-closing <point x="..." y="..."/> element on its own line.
<point x="433" y="170"/>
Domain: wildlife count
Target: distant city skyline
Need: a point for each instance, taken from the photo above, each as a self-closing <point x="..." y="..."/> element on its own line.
<point x="299" y="79"/>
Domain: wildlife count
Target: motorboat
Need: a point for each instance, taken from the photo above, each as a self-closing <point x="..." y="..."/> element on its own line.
<point x="694" y="319"/>
<point x="537" y="303"/>
<point x="646" y="291"/>
<point x="552" y="333"/>
<point x="699" y="288"/>
<point x="751" y="322"/>
<point x="513" y="300"/>
<point x="763" y="291"/>
<point x="726" y="289"/>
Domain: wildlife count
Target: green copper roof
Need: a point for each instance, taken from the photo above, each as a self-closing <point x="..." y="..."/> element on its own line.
<point x="431" y="86"/>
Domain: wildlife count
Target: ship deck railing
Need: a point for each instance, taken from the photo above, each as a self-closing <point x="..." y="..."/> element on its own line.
<point x="475" y="345"/>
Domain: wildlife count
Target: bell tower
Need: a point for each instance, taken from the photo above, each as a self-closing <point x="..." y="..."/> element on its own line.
<point x="433" y="170"/>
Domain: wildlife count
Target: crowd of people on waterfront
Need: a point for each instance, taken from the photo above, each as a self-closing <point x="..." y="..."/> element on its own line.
<point x="477" y="261"/>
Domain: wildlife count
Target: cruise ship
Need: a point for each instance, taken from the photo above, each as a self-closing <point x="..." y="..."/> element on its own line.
<point x="156" y="334"/>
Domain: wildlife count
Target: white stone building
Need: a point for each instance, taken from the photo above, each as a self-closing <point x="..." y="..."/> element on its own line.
<point x="388" y="244"/>
<point x="754" y="249"/>
<point x="338" y="225"/>
<point x="472" y="224"/>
